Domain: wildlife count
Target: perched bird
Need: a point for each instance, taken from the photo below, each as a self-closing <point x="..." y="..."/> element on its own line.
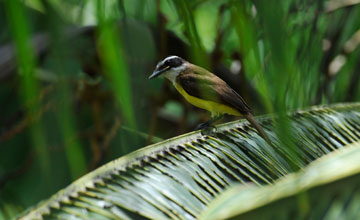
<point x="205" y="90"/>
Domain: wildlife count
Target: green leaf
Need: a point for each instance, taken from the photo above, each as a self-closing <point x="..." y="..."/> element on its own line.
<point x="180" y="177"/>
<point x="327" y="187"/>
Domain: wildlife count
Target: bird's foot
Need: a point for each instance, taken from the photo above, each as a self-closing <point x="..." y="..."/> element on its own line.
<point x="206" y="129"/>
<point x="209" y="131"/>
<point x="202" y="126"/>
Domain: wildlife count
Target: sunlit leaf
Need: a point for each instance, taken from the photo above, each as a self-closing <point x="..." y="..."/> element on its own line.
<point x="180" y="177"/>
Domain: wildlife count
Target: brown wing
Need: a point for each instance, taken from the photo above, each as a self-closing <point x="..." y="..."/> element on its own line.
<point x="210" y="87"/>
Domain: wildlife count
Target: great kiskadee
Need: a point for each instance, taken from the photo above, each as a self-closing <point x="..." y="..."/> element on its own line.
<point x="205" y="90"/>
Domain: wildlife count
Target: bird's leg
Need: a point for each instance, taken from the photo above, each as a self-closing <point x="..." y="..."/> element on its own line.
<point x="208" y="123"/>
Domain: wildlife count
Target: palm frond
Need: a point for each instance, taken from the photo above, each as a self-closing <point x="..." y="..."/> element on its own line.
<point x="178" y="178"/>
<point x="326" y="189"/>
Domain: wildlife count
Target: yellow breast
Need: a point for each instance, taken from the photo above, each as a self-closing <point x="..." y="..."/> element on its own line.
<point x="213" y="107"/>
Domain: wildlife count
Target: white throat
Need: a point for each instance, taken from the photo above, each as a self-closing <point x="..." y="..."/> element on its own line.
<point x="174" y="72"/>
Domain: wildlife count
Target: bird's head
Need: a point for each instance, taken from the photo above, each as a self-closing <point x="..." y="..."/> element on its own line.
<point x="170" y="67"/>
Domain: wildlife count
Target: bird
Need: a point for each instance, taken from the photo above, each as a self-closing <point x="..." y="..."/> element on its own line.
<point x="205" y="90"/>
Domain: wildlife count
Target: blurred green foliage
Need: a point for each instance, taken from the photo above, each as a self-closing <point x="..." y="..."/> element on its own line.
<point x="75" y="95"/>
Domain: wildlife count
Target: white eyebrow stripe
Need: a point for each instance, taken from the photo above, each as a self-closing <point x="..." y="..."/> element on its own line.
<point x="164" y="60"/>
<point x="169" y="58"/>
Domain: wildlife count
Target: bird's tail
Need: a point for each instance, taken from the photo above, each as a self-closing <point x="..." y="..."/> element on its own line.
<point x="252" y="121"/>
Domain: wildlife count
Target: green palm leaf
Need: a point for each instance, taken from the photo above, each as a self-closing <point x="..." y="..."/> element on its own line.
<point x="178" y="178"/>
<point x="327" y="189"/>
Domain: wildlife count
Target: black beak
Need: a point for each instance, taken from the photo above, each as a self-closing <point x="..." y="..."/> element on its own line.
<point x="158" y="72"/>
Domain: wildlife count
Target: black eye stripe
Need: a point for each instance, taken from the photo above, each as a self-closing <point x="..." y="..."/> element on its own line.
<point x="174" y="62"/>
<point x="163" y="66"/>
<point x="170" y="62"/>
